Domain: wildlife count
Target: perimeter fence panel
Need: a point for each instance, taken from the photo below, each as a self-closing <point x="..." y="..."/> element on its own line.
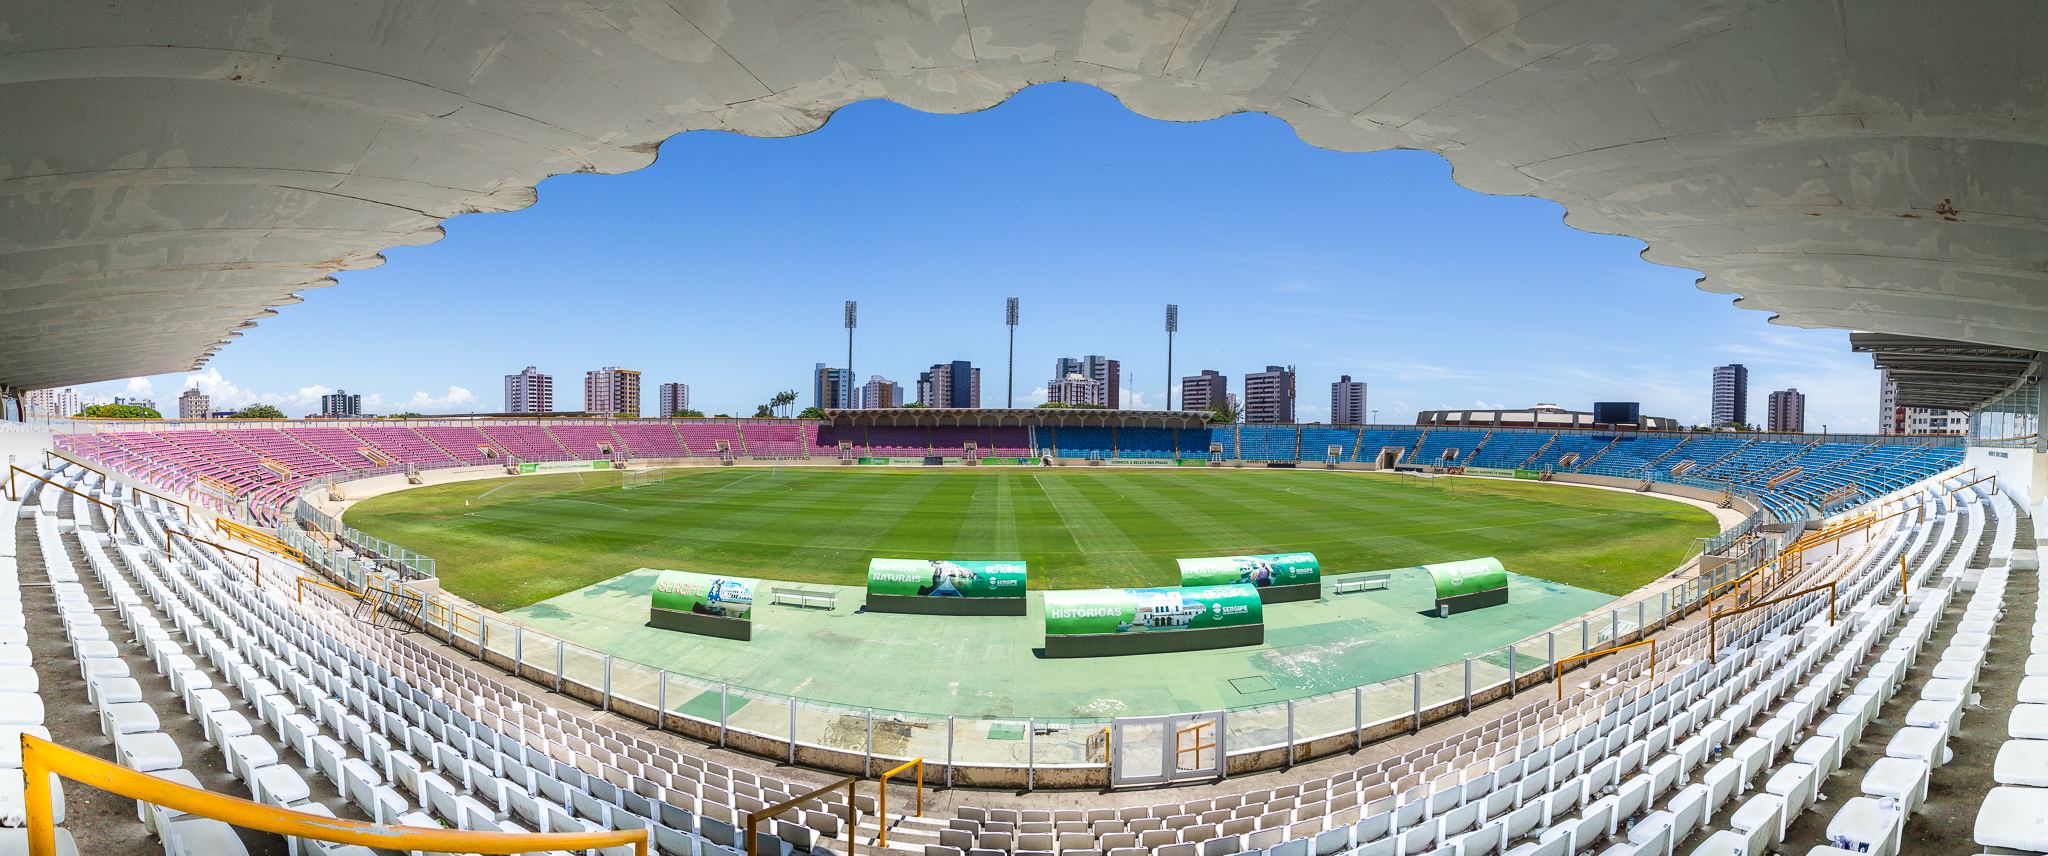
<point x="1489" y="670"/>
<point x="1324" y="715"/>
<point x="990" y="742"/>
<point x="499" y="637"/>
<point x="635" y="683"/>
<point x="1256" y="729"/>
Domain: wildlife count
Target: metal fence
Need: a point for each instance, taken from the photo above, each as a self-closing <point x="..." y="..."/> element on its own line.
<point x="1003" y="751"/>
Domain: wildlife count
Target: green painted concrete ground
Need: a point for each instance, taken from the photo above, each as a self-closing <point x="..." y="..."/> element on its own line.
<point x="988" y="666"/>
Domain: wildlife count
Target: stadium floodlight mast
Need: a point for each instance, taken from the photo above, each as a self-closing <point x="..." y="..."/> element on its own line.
<point x="1010" y="384"/>
<point x="852" y="321"/>
<point x="1172" y="327"/>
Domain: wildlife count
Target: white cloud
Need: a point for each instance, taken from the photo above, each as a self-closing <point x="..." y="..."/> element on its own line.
<point x="1034" y="398"/>
<point x="140" y="387"/>
<point x="457" y="400"/>
<point x="223" y="394"/>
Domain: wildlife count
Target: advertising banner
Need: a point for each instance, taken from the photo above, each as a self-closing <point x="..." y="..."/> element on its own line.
<point x="702" y="594"/>
<point x="1142" y="462"/>
<point x="550" y="466"/>
<point x="1111" y="611"/>
<point x="1280" y="577"/>
<point x="1114" y="622"/>
<point x="1470" y="584"/>
<point x="704" y="605"/>
<point x="945" y="578"/>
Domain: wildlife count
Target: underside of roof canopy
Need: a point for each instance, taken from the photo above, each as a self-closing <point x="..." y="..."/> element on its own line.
<point x="171" y="173"/>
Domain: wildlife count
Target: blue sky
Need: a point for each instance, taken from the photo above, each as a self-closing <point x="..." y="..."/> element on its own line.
<point x="724" y="265"/>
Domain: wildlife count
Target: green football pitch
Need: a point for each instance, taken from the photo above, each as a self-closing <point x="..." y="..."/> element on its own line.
<point x="507" y="543"/>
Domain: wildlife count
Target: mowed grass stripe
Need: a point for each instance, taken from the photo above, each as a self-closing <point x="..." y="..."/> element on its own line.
<point x="987" y="532"/>
<point x="1106" y="552"/>
<point x="1076" y="527"/>
<point x="1204" y="530"/>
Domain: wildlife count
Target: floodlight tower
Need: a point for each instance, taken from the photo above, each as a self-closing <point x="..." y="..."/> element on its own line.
<point x="852" y="321"/>
<point x="1010" y="385"/>
<point x="1172" y="327"/>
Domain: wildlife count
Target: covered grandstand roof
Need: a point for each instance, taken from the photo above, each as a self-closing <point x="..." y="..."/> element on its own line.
<point x="1943" y="374"/>
<point x="174" y="170"/>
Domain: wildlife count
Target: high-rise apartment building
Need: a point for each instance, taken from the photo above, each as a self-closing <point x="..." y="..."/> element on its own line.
<point x="1076" y="388"/>
<point x="1787" y="413"/>
<point x="1269" y="395"/>
<point x="193" y="404"/>
<point x="1894" y="419"/>
<point x="833" y="389"/>
<point x="612" y="390"/>
<point x="1097" y="368"/>
<point x="68" y="403"/>
<point x="1203" y="391"/>
<point x="529" y="392"/>
<point x="39" y="402"/>
<point x="1731" y="396"/>
<point x="1347" y="402"/>
<point x="674" y="397"/>
<point x="881" y="392"/>
<point x="954" y="384"/>
<point x="340" y="403"/>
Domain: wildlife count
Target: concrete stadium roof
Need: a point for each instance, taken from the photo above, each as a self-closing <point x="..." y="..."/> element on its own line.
<point x="1946" y="375"/>
<point x="1000" y="417"/>
<point x="172" y="172"/>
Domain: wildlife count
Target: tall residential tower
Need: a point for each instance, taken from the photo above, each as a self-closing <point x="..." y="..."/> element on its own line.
<point x="529" y="392"/>
<point x="1347" y="402"/>
<point x="1731" y="396"/>
<point x="612" y="390"/>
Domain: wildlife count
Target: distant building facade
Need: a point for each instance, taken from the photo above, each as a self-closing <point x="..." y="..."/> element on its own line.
<point x="1347" y="402"/>
<point x="529" y="392"/>
<point x="340" y="403"/>
<point x="954" y="384"/>
<point x="832" y="389"/>
<point x="1203" y="391"/>
<point x="1731" y="396"/>
<point x="880" y="392"/>
<point x="1787" y="412"/>
<point x="612" y="390"/>
<point x="193" y="404"/>
<point x="674" y="397"/>
<point x="68" y="403"/>
<point x="1269" y="395"/>
<point x="40" y="402"/>
<point x="1893" y="419"/>
<point x="1540" y="416"/>
<point x="1097" y="368"/>
<point x="1076" y="389"/>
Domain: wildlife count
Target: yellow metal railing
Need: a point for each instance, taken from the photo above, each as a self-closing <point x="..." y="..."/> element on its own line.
<point x="15" y="493"/>
<point x="1558" y="670"/>
<point x="1714" y="618"/>
<point x="754" y="818"/>
<point x="1993" y="479"/>
<point x="257" y="537"/>
<point x="170" y="531"/>
<point x="883" y="820"/>
<point x="40" y="759"/>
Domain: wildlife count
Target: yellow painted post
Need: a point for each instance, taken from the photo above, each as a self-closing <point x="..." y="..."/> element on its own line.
<point x="40" y="758"/>
<point x="883" y="821"/>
